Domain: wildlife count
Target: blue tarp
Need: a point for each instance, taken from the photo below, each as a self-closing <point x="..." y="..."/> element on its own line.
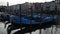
<point x="36" y="16"/>
<point x="26" y="19"/>
<point x="16" y="19"/>
<point x="7" y="17"/>
<point x="47" y="19"/>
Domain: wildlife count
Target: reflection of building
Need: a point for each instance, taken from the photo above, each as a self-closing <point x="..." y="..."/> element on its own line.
<point x="14" y="9"/>
<point x="57" y="1"/>
<point x="2" y="8"/>
<point x="58" y="4"/>
<point x="36" y="7"/>
<point x="48" y="6"/>
<point x="25" y="7"/>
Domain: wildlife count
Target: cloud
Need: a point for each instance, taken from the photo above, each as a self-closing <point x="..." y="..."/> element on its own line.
<point x="11" y="2"/>
<point x="2" y="2"/>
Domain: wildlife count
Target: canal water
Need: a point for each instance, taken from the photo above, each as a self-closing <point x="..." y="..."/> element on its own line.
<point x="46" y="31"/>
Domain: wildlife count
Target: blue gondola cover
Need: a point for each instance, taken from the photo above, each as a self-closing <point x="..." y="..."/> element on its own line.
<point x="24" y="20"/>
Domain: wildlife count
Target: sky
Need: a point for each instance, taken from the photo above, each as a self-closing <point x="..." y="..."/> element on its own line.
<point x="13" y="2"/>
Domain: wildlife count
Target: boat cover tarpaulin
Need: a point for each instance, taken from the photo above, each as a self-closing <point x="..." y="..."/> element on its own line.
<point x="49" y="19"/>
<point x="18" y="20"/>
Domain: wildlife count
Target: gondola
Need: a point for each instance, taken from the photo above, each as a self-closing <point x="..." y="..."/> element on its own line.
<point x="20" y="22"/>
